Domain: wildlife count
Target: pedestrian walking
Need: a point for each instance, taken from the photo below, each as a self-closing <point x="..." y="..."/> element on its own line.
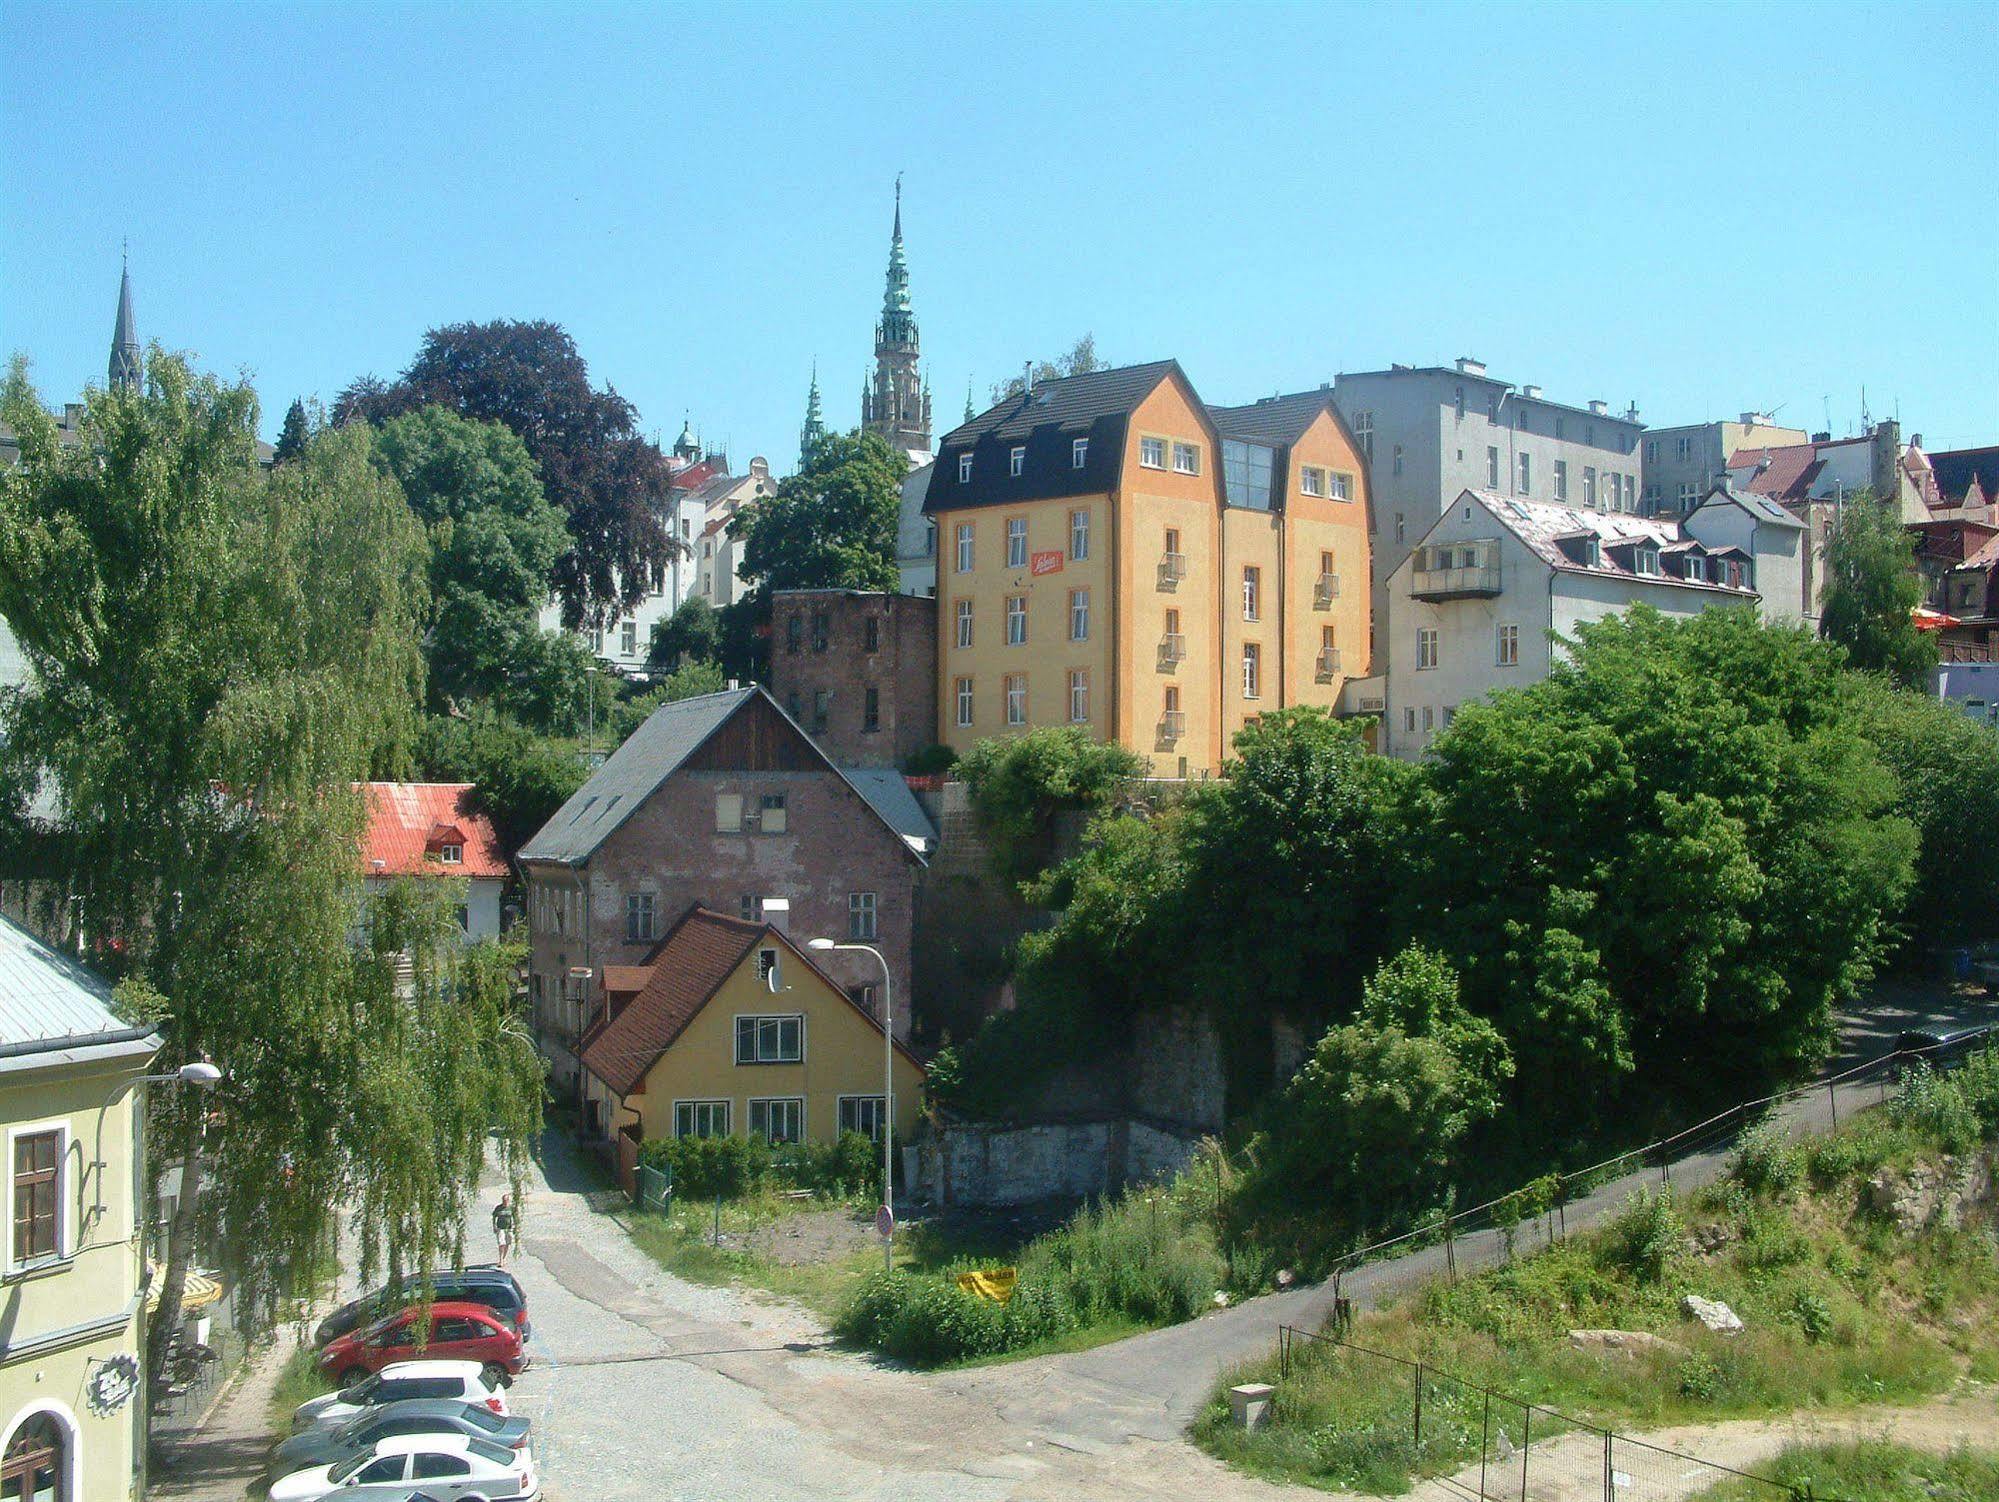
<point x="503" y="1226"/>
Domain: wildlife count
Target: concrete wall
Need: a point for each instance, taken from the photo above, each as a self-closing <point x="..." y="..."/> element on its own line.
<point x="981" y="1163"/>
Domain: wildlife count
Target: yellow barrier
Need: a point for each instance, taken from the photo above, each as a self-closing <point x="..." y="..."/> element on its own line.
<point x="996" y="1285"/>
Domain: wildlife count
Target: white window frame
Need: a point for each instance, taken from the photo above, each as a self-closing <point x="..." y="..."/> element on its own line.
<point x="65" y="1196"/>
<point x="1252" y="670"/>
<point x="1589" y="485"/>
<point x="1079" y="696"/>
<point x="1079" y="615"/>
<point x="794" y="1106"/>
<point x="1252" y="592"/>
<point x="863" y="915"/>
<point x="1561" y="479"/>
<point x="1492" y="467"/>
<point x="883" y="1108"/>
<point x="962" y="692"/>
<point x="1016" y="542"/>
<point x="641" y="917"/>
<point x="1311" y="480"/>
<point x="964" y="540"/>
<point x="1015" y="687"/>
<point x="1016" y="460"/>
<point x="1339" y="485"/>
<point x="1151" y="453"/>
<point x="964" y="469"/>
<point x="1079" y="535"/>
<point x="757" y="1040"/>
<point x="1645" y="563"/>
<point x="1016" y="621"/>
<point x="964" y="618"/>
<point x="1427" y="648"/>
<point x="1523" y="478"/>
<point x="1079" y="452"/>
<point x="1186" y="458"/>
<point x="694" y="1106"/>
<point x="451" y="855"/>
<point x="1506" y="645"/>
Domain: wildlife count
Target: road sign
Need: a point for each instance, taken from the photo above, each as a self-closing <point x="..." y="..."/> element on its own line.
<point x="884" y="1222"/>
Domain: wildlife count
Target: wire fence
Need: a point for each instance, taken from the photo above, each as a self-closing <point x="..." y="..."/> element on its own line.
<point x="1538" y="1211"/>
<point x="1400" y="1418"/>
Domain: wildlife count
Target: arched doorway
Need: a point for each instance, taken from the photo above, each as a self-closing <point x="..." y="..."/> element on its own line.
<point x="36" y="1465"/>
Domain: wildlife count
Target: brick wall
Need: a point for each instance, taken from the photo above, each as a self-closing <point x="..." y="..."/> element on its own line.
<point x="822" y="668"/>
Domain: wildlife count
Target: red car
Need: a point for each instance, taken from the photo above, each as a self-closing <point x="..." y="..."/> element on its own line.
<point x="457" y="1332"/>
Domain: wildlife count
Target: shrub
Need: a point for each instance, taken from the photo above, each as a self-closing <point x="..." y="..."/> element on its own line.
<point x="1811" y="1314"/>
<point x="1018" y="785"/>
<point x="1644" y="1237"/>
<point x="847" y="1167"/>
<point x="1700" y="1378"/>
<point x="930" y="761"/>
<point x="1765" y="1161"/>
<point x="1938" y="1106"/>
<point x="711" y="1167"/>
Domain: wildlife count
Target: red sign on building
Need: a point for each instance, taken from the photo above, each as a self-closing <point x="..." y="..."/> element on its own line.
<point x="1049" y="562"/>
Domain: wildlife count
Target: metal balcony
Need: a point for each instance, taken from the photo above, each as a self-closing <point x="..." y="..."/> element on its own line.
<point x="1172" y="726"/>
<point x="1476" y="582"/>
<point x="1329" y="662"/>
<point x="1326" y="591"/>
<point x="1172" y="648"/>
<point x="1172" y="569"/>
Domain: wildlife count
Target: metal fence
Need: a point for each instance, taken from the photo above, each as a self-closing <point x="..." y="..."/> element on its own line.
<point x="1405" y="1418"/>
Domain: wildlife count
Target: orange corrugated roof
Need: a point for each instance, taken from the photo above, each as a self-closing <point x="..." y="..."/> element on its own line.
<point x="409" y="823"/>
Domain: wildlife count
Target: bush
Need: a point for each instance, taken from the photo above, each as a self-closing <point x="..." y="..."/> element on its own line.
<point x="1939" y="1108"/>
<point x="923" y="1320"/>
<point x="710" y="1167"/>
<point x="1644" y="1238"/>
<point x="1018" y="785"/>
<point x="931" y="761"/>
<point x="1764" y="1161"/>
<point x="846" y="1168"/>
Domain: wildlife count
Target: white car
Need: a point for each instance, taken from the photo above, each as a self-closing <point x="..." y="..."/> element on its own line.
<point x="446" y="1467"/>
<point x="463" y="1380"/>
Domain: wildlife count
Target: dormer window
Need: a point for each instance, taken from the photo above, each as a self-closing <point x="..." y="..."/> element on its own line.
<point x="964" y="469"/>
<point x="1696" y="568"/>
<point x="1648" y="562"/>
<point x="451" y="855"/>
<point x="1017" y="460"/>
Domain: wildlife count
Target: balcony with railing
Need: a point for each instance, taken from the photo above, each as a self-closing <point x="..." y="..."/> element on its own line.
<point x="1172" y="650"/>
<point x="1326" y="590"/>
<point x="1329" y="662"/>
<point x="1456" y="571"/>
<point x="1172" y="726"/>
<point x="1172" y="569"/>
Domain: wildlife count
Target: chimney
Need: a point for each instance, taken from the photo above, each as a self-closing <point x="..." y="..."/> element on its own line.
<point x="1599" y="406"/>
<point x="1027" y="377"/>
<point x="72" y="414"/>
<point x="1467" y="365"/>
<point x="1631" y="413"/>
<point x="1822" y="437"/>
<point x="1886" y="457"/>
<point x="1533" y="392"/>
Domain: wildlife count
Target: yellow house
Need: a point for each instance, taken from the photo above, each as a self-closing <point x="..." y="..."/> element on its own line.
<point x="727" y="1027"/>
<point x="1114" y="554"/>
<point x="72" y="1407"/>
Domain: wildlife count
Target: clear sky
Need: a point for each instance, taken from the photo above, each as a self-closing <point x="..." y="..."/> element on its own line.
<point x="1702" y="208"/>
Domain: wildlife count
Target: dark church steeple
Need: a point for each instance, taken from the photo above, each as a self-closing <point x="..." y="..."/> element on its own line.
<point x="896" y="402"/>
<point x="126" y="362"/>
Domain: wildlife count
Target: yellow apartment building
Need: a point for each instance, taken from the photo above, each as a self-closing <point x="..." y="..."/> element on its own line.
<point x="72" y="1405"/>
<point x="1115" y="554"/>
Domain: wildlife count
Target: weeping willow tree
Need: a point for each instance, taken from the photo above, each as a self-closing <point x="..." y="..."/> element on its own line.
<point x="217" y="655"/>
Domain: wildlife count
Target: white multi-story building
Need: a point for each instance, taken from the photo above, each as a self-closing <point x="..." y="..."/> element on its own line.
<point x="1498" y="583"/>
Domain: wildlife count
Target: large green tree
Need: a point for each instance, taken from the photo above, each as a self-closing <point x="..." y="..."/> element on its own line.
<point x="607" y="479"/>
<point x="831" y="525"/>
<point x="1871" y="589"/>
<point x="693" y="633"/>
<point x="1079" y="359"/>
<point x="494" y="539"/>
<point x="217" y="656"/>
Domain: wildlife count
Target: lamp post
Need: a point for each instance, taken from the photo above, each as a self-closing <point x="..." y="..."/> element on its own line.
<point x="888" y="1093"/>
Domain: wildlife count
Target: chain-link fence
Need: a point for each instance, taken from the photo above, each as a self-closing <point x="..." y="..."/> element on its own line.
<point x="1396" y="1419"/>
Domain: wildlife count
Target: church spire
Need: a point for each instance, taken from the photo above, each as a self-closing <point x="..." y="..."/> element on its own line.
<point x="814" y="432"/>
<point x="126" y="363"/>
<point x="895" y="402"/>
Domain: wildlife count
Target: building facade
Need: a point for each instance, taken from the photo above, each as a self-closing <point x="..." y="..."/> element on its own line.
<point x="729" y="1027"/>
<point x="720" y="802"/>
<point x="430" y="830"/>
<point x="916" y="535"/>
<point x="1430" y="433"/>
<point x="1486" y="598"/>
<point x="858" y="671"/>
<point x="1684" y="463"/>
<point x="72" y="1400"/>
<point x="1115" y="556"/>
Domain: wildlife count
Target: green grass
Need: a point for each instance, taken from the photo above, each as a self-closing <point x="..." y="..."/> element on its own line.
<point x="298" y="1381"/>
<point x="1873" y="1471"/>
<point x="1841" y="1309"/>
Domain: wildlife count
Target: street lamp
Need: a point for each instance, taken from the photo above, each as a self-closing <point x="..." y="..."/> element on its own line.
<point x="197" y="1072"/>
<point x="888" y="1093"/>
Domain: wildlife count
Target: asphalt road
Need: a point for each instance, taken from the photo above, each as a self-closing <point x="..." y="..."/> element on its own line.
<point x="648" y="1387"/>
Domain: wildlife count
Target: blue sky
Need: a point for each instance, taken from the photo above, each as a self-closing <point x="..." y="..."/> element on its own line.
<point x="1700" y="208"/>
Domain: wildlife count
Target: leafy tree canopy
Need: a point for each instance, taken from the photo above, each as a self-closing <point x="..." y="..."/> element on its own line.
<point x="693" y="633"/>
<point x="217" y="656"/>
<point x="1080" y="359"/>
<point x="831" y="525"/>
<point x="608" y="481"/>
<point x="519" y="778"/>
<point x="1872" y="588"/>
<point x="1020" y="783"/>
<point x="293" y="435"/>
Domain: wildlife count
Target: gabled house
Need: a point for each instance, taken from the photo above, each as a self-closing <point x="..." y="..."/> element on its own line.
<point x="721" y="802"/>
<point x="430" y="830"/>
<point x="728" y="1027"/>
<point x="1482" y="602"/>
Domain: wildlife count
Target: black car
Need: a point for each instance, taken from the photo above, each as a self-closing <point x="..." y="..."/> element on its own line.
<point x="318" y="1447"/>
<point x="1939" y="1046"/>
<point x="486" y="1284"/>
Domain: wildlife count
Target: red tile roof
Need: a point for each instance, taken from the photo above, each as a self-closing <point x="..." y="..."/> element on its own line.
<point x="1786" y="473"/>
<point x="409" y="823"/>
<point x="688" y="968"/>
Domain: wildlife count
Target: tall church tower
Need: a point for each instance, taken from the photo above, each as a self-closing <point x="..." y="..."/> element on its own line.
<point x="814" y="432"/>
<point x="126" y="362"/>
<point x="896" y="403"/>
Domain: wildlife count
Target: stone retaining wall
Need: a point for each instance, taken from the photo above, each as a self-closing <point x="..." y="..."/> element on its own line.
<point x="987" y="1163"/>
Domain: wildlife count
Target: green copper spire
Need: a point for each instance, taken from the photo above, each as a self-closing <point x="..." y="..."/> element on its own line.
<point x="814" y="432"/>
<point x="969" y="412"/>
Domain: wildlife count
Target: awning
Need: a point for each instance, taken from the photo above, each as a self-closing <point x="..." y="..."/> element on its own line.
<point x="201" y="1290"/>
<point x="1925" y="619"/>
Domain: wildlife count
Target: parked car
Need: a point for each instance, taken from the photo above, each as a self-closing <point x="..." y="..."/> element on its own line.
<point x="1942" y="1045"/>
<point x="463" y="1380"/>
<point x="483" y="1283"/>
<point x="361" y="1433"/>
<point x="449" y="1467"/>
<point x="452" y="1332"/>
